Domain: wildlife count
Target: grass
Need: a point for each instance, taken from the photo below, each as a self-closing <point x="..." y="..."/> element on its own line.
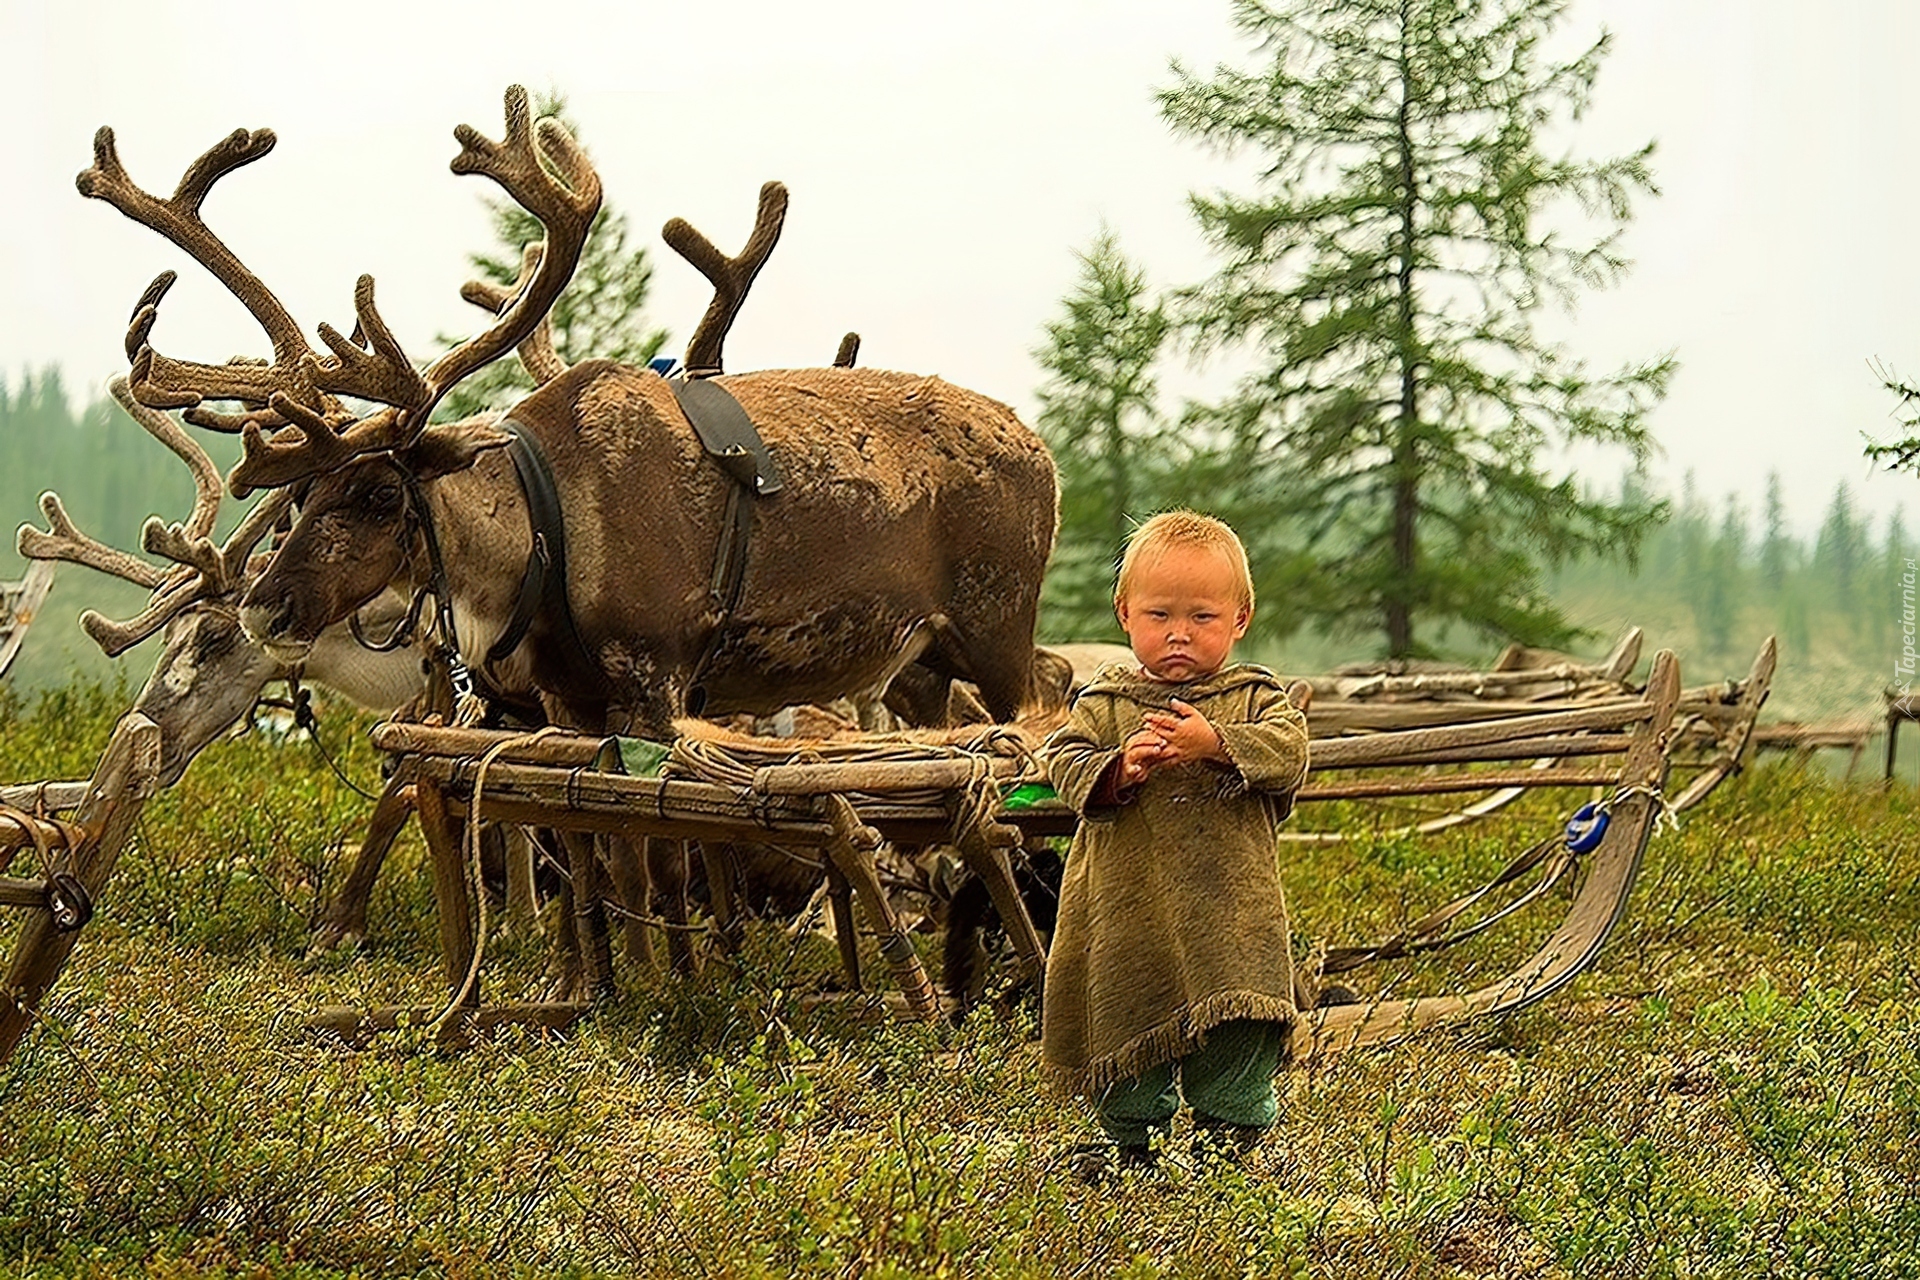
<point x="1733" y="1090"/>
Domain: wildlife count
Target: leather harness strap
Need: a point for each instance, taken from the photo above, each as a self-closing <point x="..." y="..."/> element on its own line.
<point x="728" y="436"/>
<point x="731" y="440"/>
<point x="543" y="586"/>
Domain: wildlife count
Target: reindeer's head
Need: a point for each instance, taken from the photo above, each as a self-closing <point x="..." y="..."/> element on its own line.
<point x="359" y="530"/>
<point x="207" y="676"/>
<point x="299" y="432"/>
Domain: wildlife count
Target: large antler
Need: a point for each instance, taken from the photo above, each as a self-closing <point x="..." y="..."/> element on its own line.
<point x="537" y="355"/>
<point x="160" y="381"/>
<point x="202" y="570"/>
<point x="542" y="168"/>
<point x="730" y="277"/>
<point x="295" y="425"/>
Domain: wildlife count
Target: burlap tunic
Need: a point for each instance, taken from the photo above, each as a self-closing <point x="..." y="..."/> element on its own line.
<point x="1172" y="918"/>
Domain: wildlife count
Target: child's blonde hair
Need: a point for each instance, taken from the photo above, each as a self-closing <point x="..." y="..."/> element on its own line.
<point x="1151" y="539"/>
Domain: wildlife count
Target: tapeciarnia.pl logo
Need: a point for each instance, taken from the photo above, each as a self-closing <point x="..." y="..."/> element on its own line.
<point x="1903" y="666"/>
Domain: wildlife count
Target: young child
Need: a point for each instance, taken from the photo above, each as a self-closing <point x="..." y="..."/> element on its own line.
<point x="1172" y="955"/>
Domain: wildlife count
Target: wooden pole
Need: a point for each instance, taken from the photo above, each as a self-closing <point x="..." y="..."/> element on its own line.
<point x="451" y="904"/>
<point x="852" y="850"/>
<point x="840" y="905"/>
<point x="589" y="915"/>
<point x="1894" y="717"/>
<point x="1452" y="782"/>
<point x="127" y="776"/>
<point x="986" y="853"/>
<point x="406" y="737"/>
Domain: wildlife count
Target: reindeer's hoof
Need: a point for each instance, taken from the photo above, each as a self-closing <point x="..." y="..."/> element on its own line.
<point x="336" y="936"/>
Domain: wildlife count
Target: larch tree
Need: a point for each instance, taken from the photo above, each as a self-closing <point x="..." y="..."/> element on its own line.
<point x="598" y="315"/>
<point x="1408" y="227"/>
<point x="1098" y="414"/>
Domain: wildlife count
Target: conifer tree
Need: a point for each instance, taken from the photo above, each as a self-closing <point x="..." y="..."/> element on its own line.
<point x="1839" y="553"/>
<point x="1722" y="593"/>
<point x="1777" y="545"/>
<point x="1387" y="273"/>
<point x="1098" y="415"/>
<point x="598" y="315"/>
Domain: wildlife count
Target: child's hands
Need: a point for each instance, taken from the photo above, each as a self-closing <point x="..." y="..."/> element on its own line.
<point x="1138" y="756"/>
<point x="1185" y="736"/>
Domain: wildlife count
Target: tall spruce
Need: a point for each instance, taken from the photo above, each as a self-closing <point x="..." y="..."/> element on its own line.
<point x="1098" y="413"/>
<point x="1387" y="273"/>
<point x="598" y="315"/>
<point x="1776" y="550"/>
<point x="1840" y="552"/>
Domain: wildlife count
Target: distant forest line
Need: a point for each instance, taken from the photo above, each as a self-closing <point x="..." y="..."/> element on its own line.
<point x="1722" y="573"/>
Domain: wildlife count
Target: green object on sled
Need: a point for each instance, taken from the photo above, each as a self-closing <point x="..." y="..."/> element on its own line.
<point x="641" y="758"/>
<point x="1028" y="794"/>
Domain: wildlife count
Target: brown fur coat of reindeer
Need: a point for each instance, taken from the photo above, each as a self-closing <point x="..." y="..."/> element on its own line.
<point x="910" y="537"/>
<point x="913" y="528"/>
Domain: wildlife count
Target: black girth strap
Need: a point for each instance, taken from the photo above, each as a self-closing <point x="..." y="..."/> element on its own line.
<point x="543" y="587"/>
<point x="728" y="434"/>
<point x="730" y="439"/>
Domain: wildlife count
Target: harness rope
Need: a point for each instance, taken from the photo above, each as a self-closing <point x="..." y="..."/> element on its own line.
<point x="1434" y="931"/>
<point x="475" y="882"/>
<point x="734" y="763"/>
<point x="300" y="706"/>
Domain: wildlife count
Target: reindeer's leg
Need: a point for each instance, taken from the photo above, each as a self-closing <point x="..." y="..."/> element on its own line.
<point x="589" y="916"/>
<point x="983" y="847"/>
<point x="523" y="904"/>
<point x="722" y="893"/>
<point x="996" y="654"/>
<point x="346" y="917"/>
<point x="555" y="912"/>
<point x="565" y="984"/>
<point x="918" y="695"/>
<point x="630" y="881"/>
<point x="667" y="867"/>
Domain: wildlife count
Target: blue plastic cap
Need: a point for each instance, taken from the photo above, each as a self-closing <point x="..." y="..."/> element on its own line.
<point x="1586" y="827"/>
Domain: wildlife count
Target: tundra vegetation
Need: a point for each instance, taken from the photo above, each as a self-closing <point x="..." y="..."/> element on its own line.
<point x="1733" y="1090"/>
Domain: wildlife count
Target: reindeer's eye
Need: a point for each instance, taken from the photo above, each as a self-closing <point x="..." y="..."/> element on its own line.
<point x="384" y="500"/>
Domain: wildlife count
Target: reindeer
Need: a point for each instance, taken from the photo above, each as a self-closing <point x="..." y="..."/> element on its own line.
<point x="912" y="530"/>
<point x="208" y="676"/>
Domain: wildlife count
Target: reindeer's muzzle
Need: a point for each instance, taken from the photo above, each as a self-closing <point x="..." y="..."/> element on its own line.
<point x="270" y="626"/>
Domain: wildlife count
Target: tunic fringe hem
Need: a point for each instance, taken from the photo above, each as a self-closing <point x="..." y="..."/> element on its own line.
<point x="1175" y="1038"/>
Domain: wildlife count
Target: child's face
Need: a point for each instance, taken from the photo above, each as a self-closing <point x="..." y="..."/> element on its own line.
<point x="1182" y="613"/>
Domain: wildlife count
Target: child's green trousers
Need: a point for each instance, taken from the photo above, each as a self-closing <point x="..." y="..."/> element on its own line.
<point x="1228" y="1079"/>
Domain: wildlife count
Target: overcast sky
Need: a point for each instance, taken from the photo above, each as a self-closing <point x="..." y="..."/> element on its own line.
<point x="945" y="163"/>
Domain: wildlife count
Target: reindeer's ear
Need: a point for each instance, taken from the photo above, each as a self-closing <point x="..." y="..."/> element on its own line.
<point x="453" y="446"/>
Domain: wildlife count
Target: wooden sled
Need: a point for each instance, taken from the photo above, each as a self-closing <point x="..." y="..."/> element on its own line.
<point x="1717" y="723"/>
<point x="1635" y="802"/>
<point x="76" y="832"/>
<point x="842" y="805"/>
<point x="19" y="603"/>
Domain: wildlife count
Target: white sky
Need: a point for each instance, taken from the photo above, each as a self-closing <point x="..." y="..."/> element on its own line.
<point x="945" y="162"/>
